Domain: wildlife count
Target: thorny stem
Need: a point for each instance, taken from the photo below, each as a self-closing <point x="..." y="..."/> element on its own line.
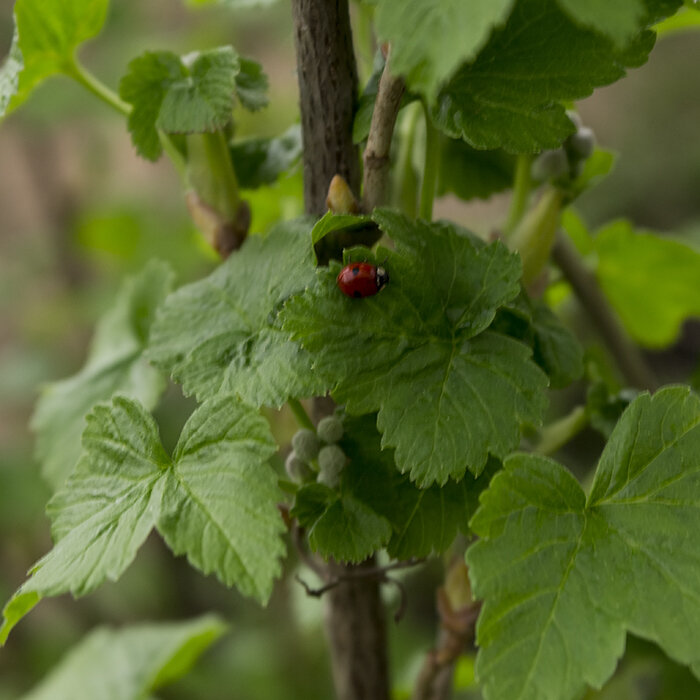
<point x="555" y="435"/>
<point x="300" y="414"/>
<point x="430" y="170"/>
<point x="376" y="157"/>
<point x="628" y="356"/>
<point x="522" y="186"/>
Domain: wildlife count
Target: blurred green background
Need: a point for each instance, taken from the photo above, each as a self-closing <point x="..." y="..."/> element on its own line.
<point x="79" y="211"/>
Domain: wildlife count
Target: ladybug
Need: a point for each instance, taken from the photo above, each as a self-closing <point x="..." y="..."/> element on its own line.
<point x="361" y="279"/>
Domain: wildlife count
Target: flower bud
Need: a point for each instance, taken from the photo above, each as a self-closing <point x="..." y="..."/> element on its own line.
<point x="297" y="469"/>
<point x="306" y="444"/>
<point x="330" y="429"/>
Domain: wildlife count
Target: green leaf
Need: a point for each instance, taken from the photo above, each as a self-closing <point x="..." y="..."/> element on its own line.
<point x="214" y="501"/>
<point x="422" y="521"/>
<point x="619" y="20"/>
<point x="331" y="222"/>
<point x="115" y="365"/>
<point x="260" y="162"/>
<point x="220" y="499"/>
<point x="652" y="282"/>
<point x="251" y="85"/>
<point x="470" y="173"/>
<point x="413" y="352"/>
<point x="508" y="97"/>
<point x="555" y="349"/>
<point x="190" y="95"/>
<point x="346" y="529"/>
<point x="563" y="577"/>
<point x="128" y="663"/>
<point x="431" y="38"/>
<point x="45" y="40"/>
<point x="221" y="334"/>
<point x="105" y="511"/>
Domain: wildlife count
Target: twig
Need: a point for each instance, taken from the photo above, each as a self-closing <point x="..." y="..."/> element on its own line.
<point x="376" y="156"/>
<point x="376" y="572"/>
<point x="627" y="355"/>
<point x="457" y="629"/>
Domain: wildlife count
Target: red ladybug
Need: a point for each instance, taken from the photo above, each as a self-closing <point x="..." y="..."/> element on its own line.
<point x="361" y="279"/>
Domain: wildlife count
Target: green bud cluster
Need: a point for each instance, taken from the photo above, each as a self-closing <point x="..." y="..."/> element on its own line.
<point x="565" y="163"/>
<point x="331" y="460"/>
<point x="330" y="429"/>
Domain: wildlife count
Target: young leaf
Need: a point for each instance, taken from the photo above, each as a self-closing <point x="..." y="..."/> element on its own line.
<point x="105" y="511"/>
<point x="507" y="96"/>
<point x="128" y="663"/>
<point x="471" y="173"/>
<point x="652" y="282"/>
<point x="260" y="162"/>
<point x="340" y="526"/>
<point x="45" y="40"/>
<point x="431" y="38"/>
<point x="251" y="85"/>
<point x="422" y="521"/>
<point x="115" y="365"/>
<point x="563" y="577"/>
<point x="190" y="95"/>
<point x="555" y="348"/>
<point x="222" y="334"/>
<point x="215" y="501"/>
<point x="619" y="20"/>
<point x="447" y="393"/>
<point x="220" y="498"/>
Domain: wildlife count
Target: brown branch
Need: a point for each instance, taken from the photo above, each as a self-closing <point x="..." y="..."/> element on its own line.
<point x="627" y="355"/>
<point x="327" y="74"/>
<point x="456" y="632"/>
<point x="328" y="92"/>
<point x="377" y="151"/>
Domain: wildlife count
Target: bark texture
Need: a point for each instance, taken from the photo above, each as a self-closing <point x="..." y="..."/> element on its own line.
<point x="327" y="74"/>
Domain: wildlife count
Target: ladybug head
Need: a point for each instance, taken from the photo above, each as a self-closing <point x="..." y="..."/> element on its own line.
<point x="382" y="277"/>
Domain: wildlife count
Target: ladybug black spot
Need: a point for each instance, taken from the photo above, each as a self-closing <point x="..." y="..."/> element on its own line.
<point x="355" y="270"/>
<point x="357" y="294"/>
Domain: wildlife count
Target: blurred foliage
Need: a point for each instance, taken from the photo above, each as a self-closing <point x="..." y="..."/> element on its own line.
<point x="79" y="211"/>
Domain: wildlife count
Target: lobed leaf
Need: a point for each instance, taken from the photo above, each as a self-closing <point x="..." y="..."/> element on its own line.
<point x="193" y="94"/>
<point x="221" y="334"/>
<point x="652" y="282"/>
<point x="215" y="501"/>
<point x="46" y="37"/>
<point x="220" y="499"/>
<point x="105" y="511"/>
<point x="115" y="365"/>
<point x="128" y="663"/>
<point x="251" y="85"/>
<point x="431" y="38"/>
<point x="260" y="162"/>
<point x="447" y="393"/>
<point x="508" y="97"/>
<point x="563" y="577"/>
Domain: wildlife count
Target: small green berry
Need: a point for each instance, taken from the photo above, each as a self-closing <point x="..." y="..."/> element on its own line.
<point x="296" y="468"/>
<point x="331" y="460"/>
<point x="575" y="118"/>
<point x="306" y="444"/>
<point x="550" y="165"/>
<point x="330" y="429"/>
<point x="329" y="479"/>
<point x="582" y="143"/>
